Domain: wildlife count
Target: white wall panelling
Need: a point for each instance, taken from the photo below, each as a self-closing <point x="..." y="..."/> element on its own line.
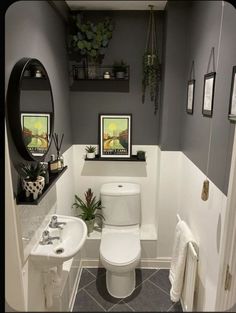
<point x="205" y="218"/>
<point x="92" y="174"/>
<point x="14" y="282"/>
<point x="169" y="170"/>
<point x="66" y="185"/>
<point x="170" y="184"/>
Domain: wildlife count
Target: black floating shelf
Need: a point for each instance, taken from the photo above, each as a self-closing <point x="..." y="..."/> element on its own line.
<point x="133" y="158"/>
<point x="108" y="85"/>
<point x="35" y="83"/>
<point x="21" y="199"/>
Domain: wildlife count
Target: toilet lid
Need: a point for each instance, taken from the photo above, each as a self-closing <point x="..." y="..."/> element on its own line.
<point x="120" y="248"/>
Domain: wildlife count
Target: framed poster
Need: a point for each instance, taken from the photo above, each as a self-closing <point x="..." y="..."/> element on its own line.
<point x="190" y="96"/>
<point x="208" y="94"/>
<point x="115" y="135"/>
<point x="232" y="101"/>
<point x="35" y="131"/>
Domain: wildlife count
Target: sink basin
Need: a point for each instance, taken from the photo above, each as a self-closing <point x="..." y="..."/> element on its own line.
<point x="72" y="237"/>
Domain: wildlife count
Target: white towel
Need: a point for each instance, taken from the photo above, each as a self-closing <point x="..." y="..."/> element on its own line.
<point x="183" y="236"/>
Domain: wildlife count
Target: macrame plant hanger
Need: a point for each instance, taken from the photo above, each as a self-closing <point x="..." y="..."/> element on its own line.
<point x="151" y="66"/>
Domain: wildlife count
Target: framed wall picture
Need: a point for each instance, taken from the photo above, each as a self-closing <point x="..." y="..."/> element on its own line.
<point x="190" y="96"/>
<point x="232" y="101"/>
<point x="208" y="94"/>
<point x="35" y="131"/>
<point x="115" y="135"/>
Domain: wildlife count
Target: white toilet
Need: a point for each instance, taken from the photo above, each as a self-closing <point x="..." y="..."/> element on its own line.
<point x="120" y="248"/>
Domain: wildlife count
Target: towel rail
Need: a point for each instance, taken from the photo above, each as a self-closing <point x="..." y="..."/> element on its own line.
<point x="190" y="243"/>
<point x="190" y="274"/>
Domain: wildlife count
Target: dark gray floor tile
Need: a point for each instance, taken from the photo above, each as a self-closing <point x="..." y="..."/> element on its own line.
<point x="176" y="308"/>
<point x="121" y="307"/>
<point x="84" y="303"/>
<point x="161" y="279"/>
<point x="97" y="271"/>
<point x="142" y="274"/>
<point x="98" y="290"/>
<point x="149" y="298"/>
<point x="85" y="278"/>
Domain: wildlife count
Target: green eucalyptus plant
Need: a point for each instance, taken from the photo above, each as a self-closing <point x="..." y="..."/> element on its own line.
<point x="88" y="39"/>
<point x="89" y="207"/>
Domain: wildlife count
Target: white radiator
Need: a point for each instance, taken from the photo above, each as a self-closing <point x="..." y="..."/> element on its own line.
<point x="190" y="273"/>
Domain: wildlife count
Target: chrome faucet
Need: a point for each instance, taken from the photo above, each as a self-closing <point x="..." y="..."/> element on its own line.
<point x="54" y="223"/>
<point x="47" y="239"/>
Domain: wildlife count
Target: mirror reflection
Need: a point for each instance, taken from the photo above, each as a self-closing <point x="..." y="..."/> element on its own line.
<point x="35" y="109"/>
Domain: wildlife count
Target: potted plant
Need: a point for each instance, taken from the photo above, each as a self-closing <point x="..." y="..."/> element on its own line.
<point x="89" y="209"/>
<point x="90" y="152"/>
<point x="88" y="41"/>
<point x="33" y="181"/>
<point x="119" y="69"/>
<point x="141" y="155"/>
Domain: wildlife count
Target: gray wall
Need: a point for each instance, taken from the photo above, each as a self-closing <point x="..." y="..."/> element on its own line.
<point x="128" y="43"/>
<point x="173" y="87"/>
<point x="204" y="33"/>
<point x="34" y="29"/>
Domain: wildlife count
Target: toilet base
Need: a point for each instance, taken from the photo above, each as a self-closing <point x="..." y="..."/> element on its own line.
<point x="120" y="285"/>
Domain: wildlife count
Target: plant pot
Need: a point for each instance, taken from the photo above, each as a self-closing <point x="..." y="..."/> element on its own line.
<point x="141" y="155"/>
<point x="90" y="155"/>
<point x="120" y="75"/>
<point x="34" y="187"/>
<point x="90" y="225"/>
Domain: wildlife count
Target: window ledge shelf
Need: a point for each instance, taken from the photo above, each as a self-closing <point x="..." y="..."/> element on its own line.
<point x="133" y="158"/>
<point x="147" y="232"/>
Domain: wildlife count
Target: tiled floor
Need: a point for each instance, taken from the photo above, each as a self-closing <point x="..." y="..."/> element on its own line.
<point x="150" y="295"/>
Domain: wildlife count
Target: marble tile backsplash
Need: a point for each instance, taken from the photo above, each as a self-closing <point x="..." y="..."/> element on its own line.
<point x="33" y="219"/>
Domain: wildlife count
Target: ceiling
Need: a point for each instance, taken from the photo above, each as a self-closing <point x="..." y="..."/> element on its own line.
<point x="110" y="5"/>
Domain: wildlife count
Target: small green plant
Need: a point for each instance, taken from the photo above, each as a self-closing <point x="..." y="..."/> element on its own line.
<point x="119" y="67"/>
<point x="30" y="172"/>
<point x="89" y="207"/>
<point x="90" y="149"/>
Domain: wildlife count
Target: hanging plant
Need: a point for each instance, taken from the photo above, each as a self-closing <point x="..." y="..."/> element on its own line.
<point x="151" y="65"/>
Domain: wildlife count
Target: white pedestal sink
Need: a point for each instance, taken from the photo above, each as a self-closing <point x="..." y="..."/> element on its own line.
<point x="72" y="237"/>
<point x="48" y="256"/>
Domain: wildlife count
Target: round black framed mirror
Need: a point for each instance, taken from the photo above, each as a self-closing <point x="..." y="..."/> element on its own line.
<point x="30" y="109"/>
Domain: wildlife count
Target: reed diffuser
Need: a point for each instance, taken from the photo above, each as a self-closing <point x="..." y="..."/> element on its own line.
<point x="59" y="157"/>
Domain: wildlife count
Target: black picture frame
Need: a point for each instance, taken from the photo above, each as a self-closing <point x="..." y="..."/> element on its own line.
<point x="232" y="99"/>
<point x="37" y="148"/>
<point x="190" y="96"/>
<point x="208" y="94"/>
<point x="115" y="135"/>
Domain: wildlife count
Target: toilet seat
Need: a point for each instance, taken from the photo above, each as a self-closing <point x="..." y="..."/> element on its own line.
<point x="120" y="248"/>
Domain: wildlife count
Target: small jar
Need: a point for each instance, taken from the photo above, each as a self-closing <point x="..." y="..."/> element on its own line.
<point x="107" y="75"/>
<point x="60" y="161"/>
<point x="38" y="73"/>
<point x="53" y="164"/>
